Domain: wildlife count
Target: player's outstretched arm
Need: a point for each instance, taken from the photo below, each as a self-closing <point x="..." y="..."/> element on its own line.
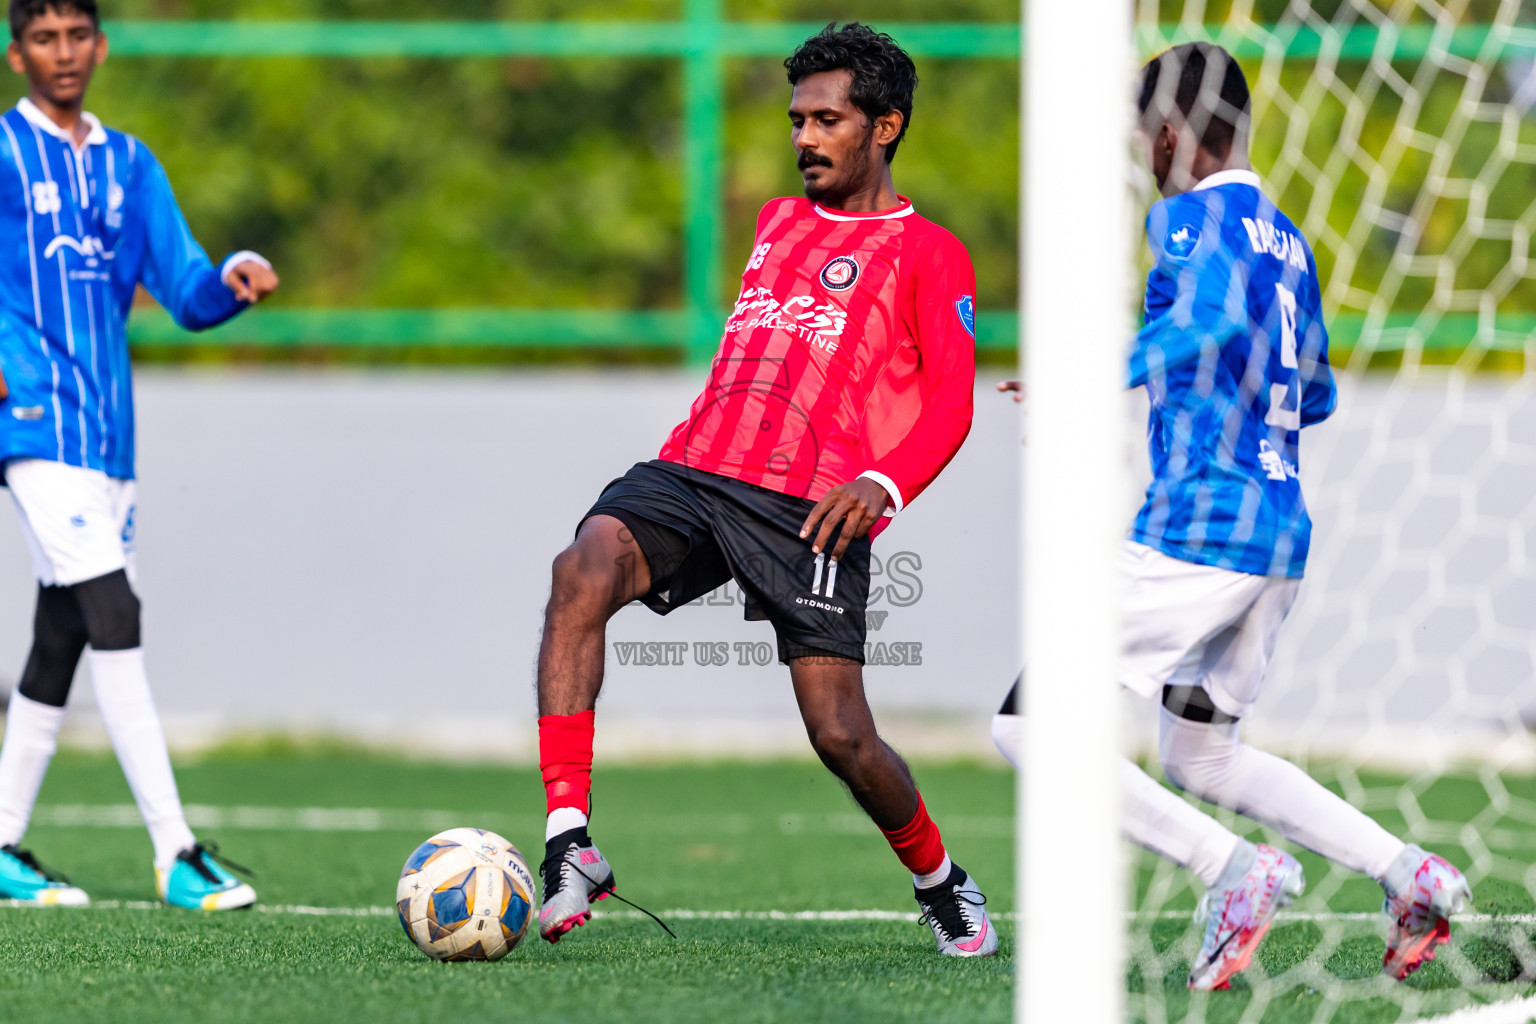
<point x="176" y="270"/>
<point x="251" y="280"/>
<point x="856" y="506"/>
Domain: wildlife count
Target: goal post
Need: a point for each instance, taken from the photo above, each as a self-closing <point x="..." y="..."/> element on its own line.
<point x="1074" y="291"/>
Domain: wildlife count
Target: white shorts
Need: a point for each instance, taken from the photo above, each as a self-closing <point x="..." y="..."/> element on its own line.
<point x="1194" y="625"/>
<point x="79" y="522"/>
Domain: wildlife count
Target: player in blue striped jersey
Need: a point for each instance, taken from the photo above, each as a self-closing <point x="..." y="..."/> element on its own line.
<point x="1234" y="359"/>
<point x="86" y="217"/>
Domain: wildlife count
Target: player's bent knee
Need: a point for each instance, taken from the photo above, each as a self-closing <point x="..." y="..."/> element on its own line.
<point x="58" y="638"/>
<point x="50" y="688"/>
<point x="585" y="582"/>
<point x="110" y="609"/>
<point x="840" y="748"/>
<point x="47" y="680"/>
<point x="1175" y="775"/>
<point x="1197" y="759"/>
<point x="1175" y="763"/>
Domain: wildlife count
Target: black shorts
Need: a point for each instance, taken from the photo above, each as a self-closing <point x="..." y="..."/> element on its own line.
<point x="699" y="530"/>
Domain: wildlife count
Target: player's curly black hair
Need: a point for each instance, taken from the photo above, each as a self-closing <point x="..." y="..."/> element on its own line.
<point x="23" y="11"/>
<point x="884" y="77"/>
<point x="1210" y="92"/>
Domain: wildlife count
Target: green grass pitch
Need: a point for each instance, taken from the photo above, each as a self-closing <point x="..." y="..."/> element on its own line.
<point x="708" y="838"/>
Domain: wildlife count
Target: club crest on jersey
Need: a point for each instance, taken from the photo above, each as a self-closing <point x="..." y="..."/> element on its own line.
<point x="840" y="274"/>
<point x="1182" y="242"/>
<point x="965" y="305"/>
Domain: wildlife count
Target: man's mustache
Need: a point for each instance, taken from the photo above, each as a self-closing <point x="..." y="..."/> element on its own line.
<point x="809" y="159"/>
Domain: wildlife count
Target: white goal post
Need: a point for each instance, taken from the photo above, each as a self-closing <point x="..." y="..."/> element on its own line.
<point x="1074" y="287"/>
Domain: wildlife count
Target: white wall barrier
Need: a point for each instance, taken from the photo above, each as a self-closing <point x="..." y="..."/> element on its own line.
<point x="367" y="555"/>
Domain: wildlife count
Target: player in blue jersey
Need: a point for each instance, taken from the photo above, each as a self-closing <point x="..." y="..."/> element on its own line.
<point x="86" y="216"/>
<point x="1234" y="358"/>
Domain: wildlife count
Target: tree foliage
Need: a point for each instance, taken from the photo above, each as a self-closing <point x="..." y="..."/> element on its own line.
<point x="549" y="183"/>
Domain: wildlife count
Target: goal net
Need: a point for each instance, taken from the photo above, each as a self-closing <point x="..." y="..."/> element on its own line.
<point x="1400" y="136"/>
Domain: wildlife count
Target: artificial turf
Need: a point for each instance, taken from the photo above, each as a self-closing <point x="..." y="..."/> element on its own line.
<point x="708" y="838"/>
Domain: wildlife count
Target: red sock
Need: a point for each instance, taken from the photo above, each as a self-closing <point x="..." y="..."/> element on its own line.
<point x="918" y="844"/>
<point x="565" y="760"/>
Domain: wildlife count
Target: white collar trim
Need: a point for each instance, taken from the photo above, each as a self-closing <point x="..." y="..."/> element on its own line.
<point x="1229" y="177"/>
<point x="905" y="210"/>
<point x="95" y="137"/>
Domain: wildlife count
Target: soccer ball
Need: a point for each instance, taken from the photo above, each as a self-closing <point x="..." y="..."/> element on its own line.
<point x="465" y="894"/>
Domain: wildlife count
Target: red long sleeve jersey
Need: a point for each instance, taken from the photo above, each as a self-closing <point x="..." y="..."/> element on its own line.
<point x="851" y="352"/>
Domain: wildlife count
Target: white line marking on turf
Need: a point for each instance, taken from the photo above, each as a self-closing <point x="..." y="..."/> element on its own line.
<point x="771" y="915"/>
<point x="685" y="914"/>
<point x="902" y="915"/>
<point x="1330" y="915"/>
<point x="326" y="911"/>
<point x="260" y="908"/>
<point x="379" y="819"/>
<point x="1514" y="1012"/>
<point x="1371" y="915"/>
<point x="300" y="819"/>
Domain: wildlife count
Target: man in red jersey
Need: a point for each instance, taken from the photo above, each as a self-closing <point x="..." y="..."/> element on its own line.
<point x="842" y="388"/>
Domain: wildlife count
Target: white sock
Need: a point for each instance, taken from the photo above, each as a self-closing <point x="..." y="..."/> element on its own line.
<point x="31" y="737"/>
<point x="1008" y="737"/>
<point x="1209" y="761"/>
<point x="128" y="710"/>
<point x="563" y="819"/>
<point x="1242" y="861"/>
<point x="1164" y="823"/>
<point x="933" y="877"/>
<point x="1150" y="816"/>
<point x="1400" y="873"/>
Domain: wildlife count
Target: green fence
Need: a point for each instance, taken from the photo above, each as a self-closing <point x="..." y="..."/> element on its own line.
<point x="703" y="40"/>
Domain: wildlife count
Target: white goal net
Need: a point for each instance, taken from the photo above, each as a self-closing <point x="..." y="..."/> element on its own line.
<point x="1401" y="138"/>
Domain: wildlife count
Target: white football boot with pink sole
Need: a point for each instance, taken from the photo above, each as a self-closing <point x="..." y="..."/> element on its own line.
<point x="576" y="875"/>
<point x="1237" y="918"/>
<point x="1423" y="892"/>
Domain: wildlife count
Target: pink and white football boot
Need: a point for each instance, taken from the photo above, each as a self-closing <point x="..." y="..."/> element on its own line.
<point x="1237" y="918"/>
<point x="1423" y="892"/>
<point x="576" y="875"/>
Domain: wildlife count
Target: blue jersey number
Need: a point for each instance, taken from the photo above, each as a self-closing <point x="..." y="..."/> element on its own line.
<point x="1285" y="399"/>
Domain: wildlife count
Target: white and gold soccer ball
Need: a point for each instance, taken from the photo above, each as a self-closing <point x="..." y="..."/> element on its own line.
<point x="465" y="894"/>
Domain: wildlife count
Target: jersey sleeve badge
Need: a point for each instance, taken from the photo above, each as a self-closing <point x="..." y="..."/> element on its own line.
<point x="1182" y="242"/>
<point x="965" y="305"/>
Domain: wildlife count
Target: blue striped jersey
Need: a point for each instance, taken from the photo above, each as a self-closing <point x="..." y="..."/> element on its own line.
<point x="1234" y="357"/>
<point x="80" y="230"/>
